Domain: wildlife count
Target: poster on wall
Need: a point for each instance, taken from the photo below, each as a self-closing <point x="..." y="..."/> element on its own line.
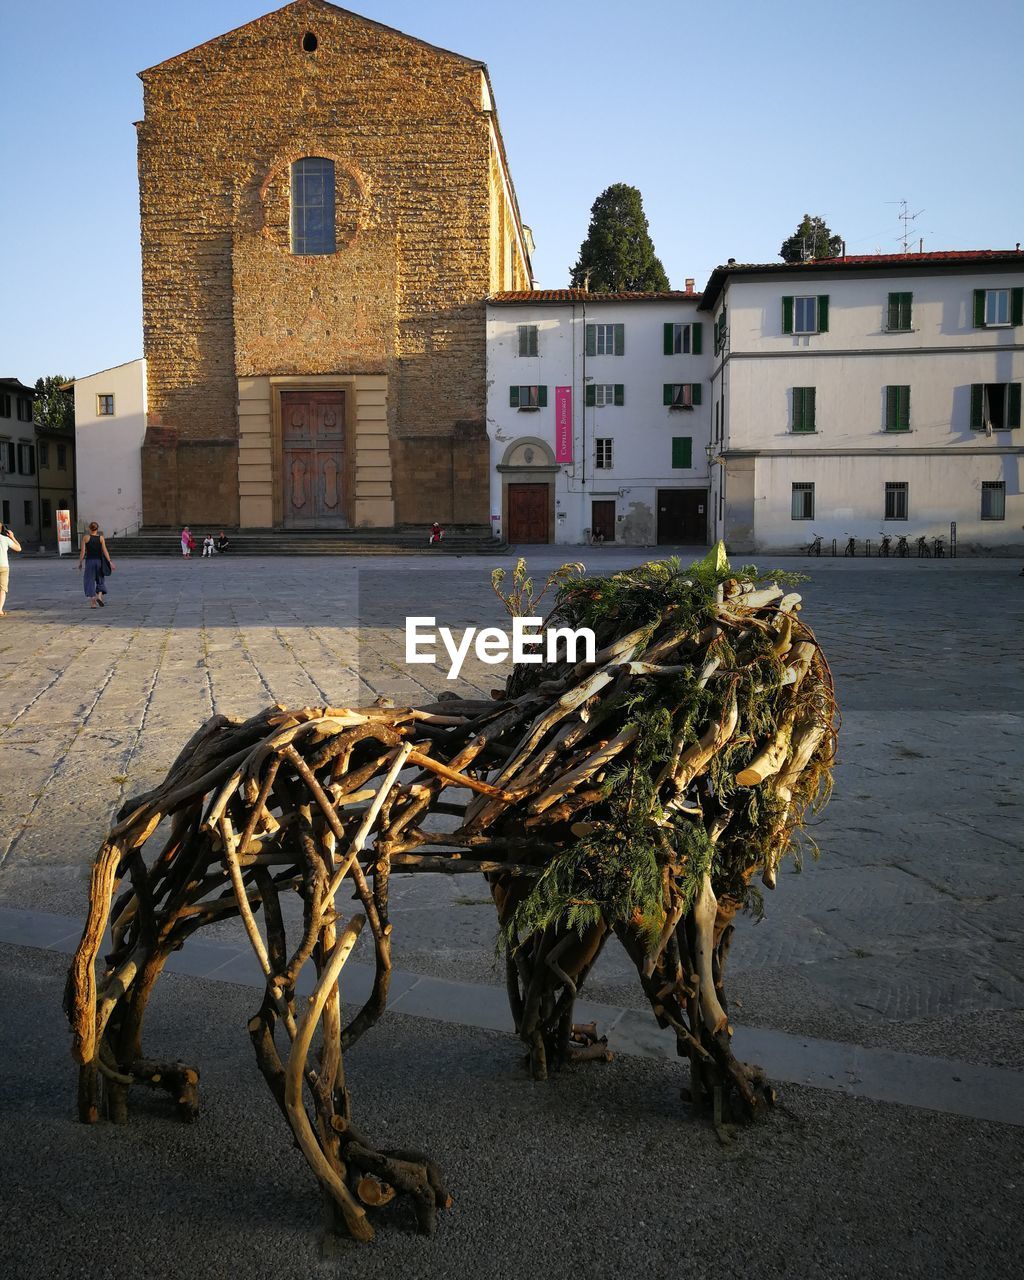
<point x="63" y="531"/>
<point x="563" y="424"/>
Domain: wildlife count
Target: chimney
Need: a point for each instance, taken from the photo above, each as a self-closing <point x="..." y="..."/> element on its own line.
<point x="731" y="262"/>
<point x="690" y="282"/>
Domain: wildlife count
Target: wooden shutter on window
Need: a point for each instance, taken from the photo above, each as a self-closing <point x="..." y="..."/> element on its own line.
<point x="620" y="339"/>
<point x="979" y="308"/>
<point x="695" y="392"/>
<point x="591" y="340"/>
<point x="542" y="397"/>
<point x="695" y="342"/>
<point x="666" y="393"/>
<point x="890" y="408"/>
<point x="590" y="395"/>
<point x="513" y="397"/>
<point x="1013" y="404"/>
<point x="787" y="315"/>
<point x="823" y="313"/>
<point x="977" y="406"/>
<point x="1017" y="306"/>
<point x="682" y="451"/>
<point x="669" y="339"/>
<point x="809" y="408"/>
<point x="620" y="393"/>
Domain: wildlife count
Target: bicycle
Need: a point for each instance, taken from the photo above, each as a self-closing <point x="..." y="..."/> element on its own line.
<point x="901" y="546"/>
<point x="851" y="546"/>
<point x="883" y="546"/>
<point x="923" y="549"/>
<point x="813" y="548"/>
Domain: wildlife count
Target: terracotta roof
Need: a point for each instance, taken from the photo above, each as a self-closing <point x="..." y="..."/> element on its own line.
<point x="584" y="295"/>
<point x="894" y="262"/>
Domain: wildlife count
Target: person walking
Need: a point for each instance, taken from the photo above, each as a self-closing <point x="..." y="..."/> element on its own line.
<point x="7" y="542"/>
<point x="187" y="542"/>
<point x="94" y="556"/>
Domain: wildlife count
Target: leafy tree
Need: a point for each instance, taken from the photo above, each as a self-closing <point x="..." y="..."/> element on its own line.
<point x="811" y="239"/>
<point x="618" y="255"/>
<point x="54" y="407"/>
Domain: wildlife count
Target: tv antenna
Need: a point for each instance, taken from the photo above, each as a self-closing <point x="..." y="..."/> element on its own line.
<point x="907" y="219"/>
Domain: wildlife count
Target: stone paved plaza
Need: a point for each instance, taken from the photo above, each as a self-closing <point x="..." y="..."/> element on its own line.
<point x="905" y="936"/>
<point x="906" y="933"/>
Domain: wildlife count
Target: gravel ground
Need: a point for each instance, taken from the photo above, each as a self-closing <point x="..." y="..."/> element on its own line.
<point x="598" y="1171"/>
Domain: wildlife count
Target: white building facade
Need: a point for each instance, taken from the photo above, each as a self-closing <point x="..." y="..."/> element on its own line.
<point x="863" y="397"/>
<point x="110" y="424"/>
<point x="598" y="417"/>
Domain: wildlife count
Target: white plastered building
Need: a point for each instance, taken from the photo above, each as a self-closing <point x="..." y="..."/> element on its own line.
<point x="110" y="424"/>
<point x="598" y="417"/>
<point x="863" y="396"/>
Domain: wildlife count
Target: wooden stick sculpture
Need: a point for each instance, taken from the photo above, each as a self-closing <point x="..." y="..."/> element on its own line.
<point x="635" y="795"/>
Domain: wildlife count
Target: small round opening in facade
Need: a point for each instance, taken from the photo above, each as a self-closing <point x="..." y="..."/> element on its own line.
<point x="310" y="42"/>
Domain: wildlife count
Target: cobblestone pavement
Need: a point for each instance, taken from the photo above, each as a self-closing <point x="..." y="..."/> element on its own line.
<point x="906" y="933"/>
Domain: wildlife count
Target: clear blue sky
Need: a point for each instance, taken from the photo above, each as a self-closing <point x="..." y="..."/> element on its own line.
<point x="733" y="117"/>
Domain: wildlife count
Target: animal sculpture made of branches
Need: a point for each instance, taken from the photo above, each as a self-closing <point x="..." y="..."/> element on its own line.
<point x="636" y="796"/>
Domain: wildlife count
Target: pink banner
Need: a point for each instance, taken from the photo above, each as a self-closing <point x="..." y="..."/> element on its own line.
<point x="563" y="424"/>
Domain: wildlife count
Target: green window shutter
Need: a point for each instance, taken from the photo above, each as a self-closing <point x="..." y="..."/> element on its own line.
<point x="513" y="397"/>
<point x="542" y="397"/>
<point x="591" y="395"/>
<point x="1017" y="306"/>
<point x="620" y="339"/>
<point x="798" y="408"/>
<point x="787" y="315"/>
<point x="682" y="452"/>
<point x="696" y="343"/>
<point x="809" y="408"/>
<point x="669" y="332"/>
<point x="979" y="308"/>
<point x="890" y="408"/>
<point x="895" y="312"/>
<point x="666" y="393"/>
<point x="977" y="405"/>
<point x="908" y="310"/>
<point x="524" y="340"/>
<point x="591" y="340"/>
<point x="695" y="392"/>
<point x="903" y="415"/>
<point x="1013" y="404"/>
<point x="823" y="313"/>
<point x="620" y="393"/>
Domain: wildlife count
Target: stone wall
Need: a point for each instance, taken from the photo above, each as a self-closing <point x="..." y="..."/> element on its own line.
<point x="419" y="208"/>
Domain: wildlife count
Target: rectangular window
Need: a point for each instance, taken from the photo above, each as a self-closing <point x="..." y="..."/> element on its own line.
<point x="896" y="503"/>
<point x="26" y="459"/>
<point x="7" y="456"/>
<point x="524" y="398"/>
<point x="807" y="314"/>
<point x="312" y="191"/>
<point x="62" y="457"/>
<point x="995" y="406"/>
<point x="28" y="511"/>
<point x="897" y="408"/>
<point x="5" y="405"/>
<point x="803" y="502"/>
<point x="682" y="452"/>
<point x="681" y="395"/>
<point x="104" y="406"/>
<point x="993" y="500"/>
<point x="898" y="319"/>
<point x="46" y="512"/>
<point x="803" y="409"/>
<point x="527" y="339"/>
<point x="682" y="339"/>
<point x="24" y="409"/>
<point x="603" y="453"/>
<point x="44" y="455"/>
<point x="997" y="308"/>
<point x="606" y="339"/>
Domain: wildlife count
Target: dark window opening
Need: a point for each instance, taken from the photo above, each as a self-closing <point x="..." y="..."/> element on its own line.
<point x="310" y="42"/>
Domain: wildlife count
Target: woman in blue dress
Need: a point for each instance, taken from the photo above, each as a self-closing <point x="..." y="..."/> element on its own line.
<point x="96" y="559"/>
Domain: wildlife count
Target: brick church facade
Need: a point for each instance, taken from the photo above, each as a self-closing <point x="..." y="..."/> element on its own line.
<point x="325" y="205"/>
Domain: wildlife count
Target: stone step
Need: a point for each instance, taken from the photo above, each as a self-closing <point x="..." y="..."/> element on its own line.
<point x="471" y="540"/>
